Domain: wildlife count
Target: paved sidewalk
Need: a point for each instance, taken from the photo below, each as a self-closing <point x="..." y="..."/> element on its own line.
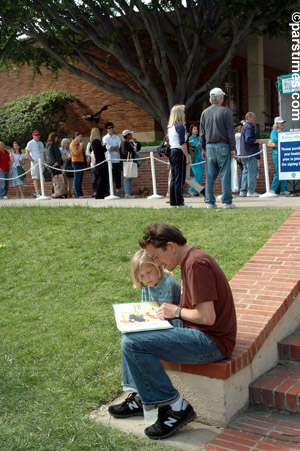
<point x="143" y="202"/>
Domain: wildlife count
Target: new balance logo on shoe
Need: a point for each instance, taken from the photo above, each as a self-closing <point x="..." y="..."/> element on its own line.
<point x="133" y="405"/>
<point x="170" y="421"/>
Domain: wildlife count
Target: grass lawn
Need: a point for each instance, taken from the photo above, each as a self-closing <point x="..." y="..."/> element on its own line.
<point x="61" y="271"/>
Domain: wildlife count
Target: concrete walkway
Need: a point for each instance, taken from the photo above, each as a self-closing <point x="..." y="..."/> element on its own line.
<point x="195" y="202"/>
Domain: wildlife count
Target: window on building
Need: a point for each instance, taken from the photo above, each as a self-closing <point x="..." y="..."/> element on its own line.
<point x="232" y="90"/>
<point x="268" y="104"/>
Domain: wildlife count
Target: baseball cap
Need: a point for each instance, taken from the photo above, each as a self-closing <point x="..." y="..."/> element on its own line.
<point x="279" y="120"/>
<point x="35" y="132"/>
<point x="217" y="92"/>
<point x="126" y="132"/>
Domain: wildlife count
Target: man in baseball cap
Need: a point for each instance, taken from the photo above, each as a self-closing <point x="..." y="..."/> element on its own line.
<point x="34" y="150"/>
<point x="218" y="147"/>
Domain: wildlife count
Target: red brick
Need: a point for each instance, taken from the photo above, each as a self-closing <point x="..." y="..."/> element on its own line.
<point x="280" y="393"/>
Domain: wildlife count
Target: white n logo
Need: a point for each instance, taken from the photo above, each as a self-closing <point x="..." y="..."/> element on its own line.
<point x="170" y="421"/>
<point x="133" y="405"/>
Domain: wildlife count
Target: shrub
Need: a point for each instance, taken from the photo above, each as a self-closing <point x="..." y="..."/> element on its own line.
<point x="45" y="112"/>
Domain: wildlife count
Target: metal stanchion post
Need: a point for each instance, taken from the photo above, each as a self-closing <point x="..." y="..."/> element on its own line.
<point x="110" y="176"/>
<point x="267" y="181"/>
<point x="42" y="197"/>
<point x="154" y="195"/>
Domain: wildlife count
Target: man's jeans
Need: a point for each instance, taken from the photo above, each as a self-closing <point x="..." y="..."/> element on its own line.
<point x="276" y="182"/>
<point x="218" y="159"/>
<point x="249" y="174"/>
<point x="4" y="183"/>
<point x="142" y="370"/>
<point x="78" y="177"/>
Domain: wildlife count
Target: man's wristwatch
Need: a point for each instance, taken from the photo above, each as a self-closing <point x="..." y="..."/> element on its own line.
<point x="178" y="312"/>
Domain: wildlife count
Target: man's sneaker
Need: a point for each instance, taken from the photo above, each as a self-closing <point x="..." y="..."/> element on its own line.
<point x="242" y="194"/>
<point x="285" y="193"/>
<point x="169" y="421"/>
<point x="5" y="197"/>
<point x="129" y="196"/>
<point x="252" y="194"/>
<point x="229" y="205"/>
<point x="36" y="194"/>
<point x="131" y="407"/>
<point x="211" y="206"/>
<point x="184" y="206"/>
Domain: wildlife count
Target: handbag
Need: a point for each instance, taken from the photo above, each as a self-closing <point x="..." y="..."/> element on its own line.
<point x="21" y="173"/>
<point x="192" y="152"/>
<point x="47" y="175"/>
<point x="140" y="160"/>
<point x="130" y="169"/>
<point x="272" y="144"/>
<point x="164" y="147"/>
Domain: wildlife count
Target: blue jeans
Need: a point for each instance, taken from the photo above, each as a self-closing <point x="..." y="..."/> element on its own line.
<point x="127" y="185"/>
<point x="178" y="167"/>
<point x="197" y="170"/>
<point x="276" y="182"/>
<point x="141" y="354"/>
<point x="218" y="160"/>
<point x="249" y="174"/>
<point x="4" y="183"/>
<point x="78" y="177"/>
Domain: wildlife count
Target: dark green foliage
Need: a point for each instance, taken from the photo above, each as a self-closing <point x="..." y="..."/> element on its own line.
<point x="45" y="112"/>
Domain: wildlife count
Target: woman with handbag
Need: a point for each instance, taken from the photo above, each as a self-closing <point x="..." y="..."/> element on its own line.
<point x="127" y="152"/>
<point x="179" y="155"/>
<point x="278" y="127"/>
<point x="18" y="159"/>
<point x="54" y="158"/>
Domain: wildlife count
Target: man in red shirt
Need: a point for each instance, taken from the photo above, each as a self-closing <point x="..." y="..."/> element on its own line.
<point x="208" y="334"/>
<point x="4" y="170"/>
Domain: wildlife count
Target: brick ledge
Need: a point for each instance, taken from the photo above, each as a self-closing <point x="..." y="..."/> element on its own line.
<point x="263" y="291"/>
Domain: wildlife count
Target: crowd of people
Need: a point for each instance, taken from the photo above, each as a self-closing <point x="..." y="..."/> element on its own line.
<point x="215" y="142"/>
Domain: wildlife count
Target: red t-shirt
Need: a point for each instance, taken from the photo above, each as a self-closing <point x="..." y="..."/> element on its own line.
<point x="202" y="281"/>
<point x="4" y="160"/>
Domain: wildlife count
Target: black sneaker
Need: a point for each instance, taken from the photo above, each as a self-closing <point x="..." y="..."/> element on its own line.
<point x="131" y="407"/>
<point x="169" y="422"/>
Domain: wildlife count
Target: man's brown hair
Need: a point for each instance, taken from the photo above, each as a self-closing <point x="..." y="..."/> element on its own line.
<point x="159" y="234"/>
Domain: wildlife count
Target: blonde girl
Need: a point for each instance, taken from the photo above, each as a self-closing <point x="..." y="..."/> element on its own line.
<point x="156" y="283"/>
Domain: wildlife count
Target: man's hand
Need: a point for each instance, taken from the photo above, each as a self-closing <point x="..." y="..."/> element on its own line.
<point x="166" y="311"/>
<point x="203" y="154"/>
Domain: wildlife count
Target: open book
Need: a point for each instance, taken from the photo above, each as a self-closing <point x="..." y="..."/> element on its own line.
<point x="139" y="316"/>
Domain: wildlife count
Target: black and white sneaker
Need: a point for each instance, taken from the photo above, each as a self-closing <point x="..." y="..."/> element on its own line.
<point x="131" y="407"/>
<point x="169" y="421"/>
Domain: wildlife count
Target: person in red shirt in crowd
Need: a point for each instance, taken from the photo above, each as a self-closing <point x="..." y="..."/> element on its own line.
<point x="4" y="170"/>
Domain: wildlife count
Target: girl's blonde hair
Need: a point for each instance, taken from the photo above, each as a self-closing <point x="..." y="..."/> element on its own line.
<point x="139" y="258"/>
<point x="95" y="134"/>
<point x="176" y="115"/>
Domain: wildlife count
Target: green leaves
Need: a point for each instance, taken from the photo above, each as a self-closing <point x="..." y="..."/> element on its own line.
<point x="45" y="112"/>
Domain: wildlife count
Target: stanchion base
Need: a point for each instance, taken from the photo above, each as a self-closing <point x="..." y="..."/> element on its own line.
<point x="155" y="196"/>
<point x="112" y="197"/>
<point x="43" y="198"/>
<point x="268" y="195"/>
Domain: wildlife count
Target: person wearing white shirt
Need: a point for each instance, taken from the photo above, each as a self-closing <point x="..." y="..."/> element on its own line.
<point x="112" y="143"/>
<point x="34" y="150"/>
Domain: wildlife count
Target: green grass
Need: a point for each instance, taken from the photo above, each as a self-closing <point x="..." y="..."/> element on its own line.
<point x="60" y="272"/>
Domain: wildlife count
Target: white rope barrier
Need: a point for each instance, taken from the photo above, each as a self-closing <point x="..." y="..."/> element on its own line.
<point x="152" y="162"/>
<point x="154" y="195"/>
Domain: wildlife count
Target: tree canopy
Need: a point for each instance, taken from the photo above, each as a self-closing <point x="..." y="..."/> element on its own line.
<point x="158" y="49"/>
